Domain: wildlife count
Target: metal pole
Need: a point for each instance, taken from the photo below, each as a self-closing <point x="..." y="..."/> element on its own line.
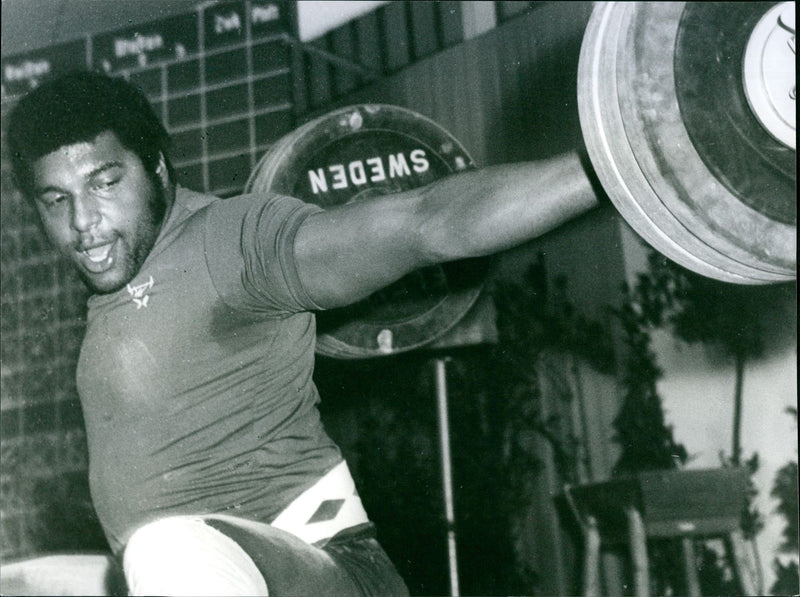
<point x="447" y="475"/>
<point x="637" y="538"/>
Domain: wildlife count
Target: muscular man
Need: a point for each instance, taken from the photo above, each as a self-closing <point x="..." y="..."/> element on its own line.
<point x="209" y="468"/>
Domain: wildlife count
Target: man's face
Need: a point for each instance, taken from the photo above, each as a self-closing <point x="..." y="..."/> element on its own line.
<point x="100" y="208"/>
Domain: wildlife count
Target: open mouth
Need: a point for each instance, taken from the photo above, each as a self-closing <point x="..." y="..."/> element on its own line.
<point x="99" y="258"/>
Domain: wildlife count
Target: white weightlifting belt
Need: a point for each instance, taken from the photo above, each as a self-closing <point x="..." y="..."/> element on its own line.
<point x="324" y="509"/>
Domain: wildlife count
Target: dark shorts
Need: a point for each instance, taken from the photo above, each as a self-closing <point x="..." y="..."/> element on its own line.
<point x="352" y="563"/>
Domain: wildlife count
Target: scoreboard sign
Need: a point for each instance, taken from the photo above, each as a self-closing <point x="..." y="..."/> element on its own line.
<point x="219" y="77"/>
<point x="23" y="73"/>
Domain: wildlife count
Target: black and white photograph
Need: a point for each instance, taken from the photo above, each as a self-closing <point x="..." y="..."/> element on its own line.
<point x="398" y="297"/>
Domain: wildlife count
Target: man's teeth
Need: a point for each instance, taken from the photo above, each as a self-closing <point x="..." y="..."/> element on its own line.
<point x="98" y="254"/>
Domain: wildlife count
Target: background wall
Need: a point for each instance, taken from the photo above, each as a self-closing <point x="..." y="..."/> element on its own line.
<point x="31" y="24"/>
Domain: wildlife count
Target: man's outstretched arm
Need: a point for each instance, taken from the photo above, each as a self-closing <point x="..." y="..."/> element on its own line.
<point x="346" y="253"/>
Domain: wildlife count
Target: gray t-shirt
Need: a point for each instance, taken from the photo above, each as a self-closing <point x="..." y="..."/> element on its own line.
<point x="196" y="379"/>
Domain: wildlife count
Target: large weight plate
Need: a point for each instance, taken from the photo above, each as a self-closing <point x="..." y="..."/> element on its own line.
<point x="350" y="155"/>
<point x="692" y="203"/>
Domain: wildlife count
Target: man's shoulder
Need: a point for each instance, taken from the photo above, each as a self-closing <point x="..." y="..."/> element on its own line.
<point x="197" y="206"/>
<point x="192" y="201"/>
<point x="269" y="206"/>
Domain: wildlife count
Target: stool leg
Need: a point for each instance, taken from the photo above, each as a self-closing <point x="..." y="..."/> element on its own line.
<point x="690" y="566"/>
<point x="638" y="546"/>
<point x="736" y="542"/>
<point x="591" y="559"/>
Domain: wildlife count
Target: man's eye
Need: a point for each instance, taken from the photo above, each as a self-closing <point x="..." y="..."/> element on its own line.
<point x="106" y="183"/>
<point x="53" y="200"/>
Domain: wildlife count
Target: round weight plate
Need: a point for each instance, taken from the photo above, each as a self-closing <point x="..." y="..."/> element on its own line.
<point x="770" y="74"/>
<point x="355" y="153"/>
<point x="644" y="155"/>
<point x="710" y="48"/>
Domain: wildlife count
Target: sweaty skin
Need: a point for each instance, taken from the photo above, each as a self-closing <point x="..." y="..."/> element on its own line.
<point x="100" y="208"/>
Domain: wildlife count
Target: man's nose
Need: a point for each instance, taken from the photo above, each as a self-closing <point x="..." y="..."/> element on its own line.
<point x="85" y="214"/>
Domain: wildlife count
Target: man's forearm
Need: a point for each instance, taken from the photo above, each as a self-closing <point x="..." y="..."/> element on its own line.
<point x="499" y="207"/>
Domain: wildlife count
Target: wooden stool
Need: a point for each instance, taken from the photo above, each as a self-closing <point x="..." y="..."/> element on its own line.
<point x="658" y="504"/>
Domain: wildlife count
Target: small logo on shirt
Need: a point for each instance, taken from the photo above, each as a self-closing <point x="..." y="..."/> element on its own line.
<point x="139" y="293"/>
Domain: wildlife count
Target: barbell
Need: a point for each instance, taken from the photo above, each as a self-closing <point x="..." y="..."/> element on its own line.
<point x="688" y="133"/>
<point x="687" y="114"/>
